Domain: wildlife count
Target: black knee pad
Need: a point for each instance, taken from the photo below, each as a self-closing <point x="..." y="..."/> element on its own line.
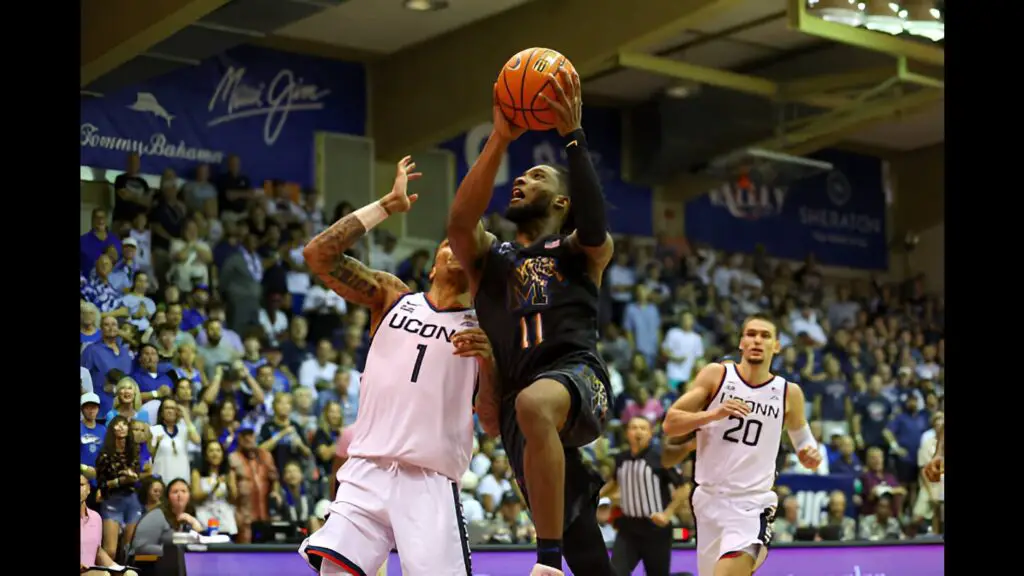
<point x="583" y="546"/>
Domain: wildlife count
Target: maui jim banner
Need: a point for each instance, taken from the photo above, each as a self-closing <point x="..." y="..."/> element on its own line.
<point x="262" y="105"/>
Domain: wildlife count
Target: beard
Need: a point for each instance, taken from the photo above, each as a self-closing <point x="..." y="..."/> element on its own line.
<point x="755" y="361"/>
<point x="525" y="214"/>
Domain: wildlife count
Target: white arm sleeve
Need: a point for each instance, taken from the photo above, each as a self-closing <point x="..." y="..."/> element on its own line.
<point x="802" y="438"/>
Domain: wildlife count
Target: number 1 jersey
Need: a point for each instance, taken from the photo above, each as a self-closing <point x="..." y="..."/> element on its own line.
<point x="737" y="456"/>
<point x="416" y="396"/>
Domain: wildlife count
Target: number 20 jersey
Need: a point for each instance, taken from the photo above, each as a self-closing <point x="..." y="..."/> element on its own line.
<point x="737" y="456"/>
<point x="416" y="396"/>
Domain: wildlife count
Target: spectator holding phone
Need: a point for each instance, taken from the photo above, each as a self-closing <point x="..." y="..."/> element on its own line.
<point x="169" y="445"/>
<point x="116" y="475"/>
<point x="214" y="489"/>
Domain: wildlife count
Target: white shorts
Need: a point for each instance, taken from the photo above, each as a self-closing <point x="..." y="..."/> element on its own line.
<point x="730" y="524"/>
<point x="381" y="506"/>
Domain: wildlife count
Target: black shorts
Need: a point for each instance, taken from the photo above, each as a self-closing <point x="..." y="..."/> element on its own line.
<point x="589" y="390"/>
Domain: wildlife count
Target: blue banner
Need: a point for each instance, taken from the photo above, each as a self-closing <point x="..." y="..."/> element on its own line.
<point x="812" y="492"/>
<point x="260" y="104"/>
<point x="839" y="216"/>
<point x="630" y="207"/>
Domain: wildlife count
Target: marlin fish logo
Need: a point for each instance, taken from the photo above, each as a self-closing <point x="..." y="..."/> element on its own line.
<point x="147" y="102"/>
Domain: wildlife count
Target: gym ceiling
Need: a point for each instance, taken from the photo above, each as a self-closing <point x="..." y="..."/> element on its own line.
<point x="431" y="71"/>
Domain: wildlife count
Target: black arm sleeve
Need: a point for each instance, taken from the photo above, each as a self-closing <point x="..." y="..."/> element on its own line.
<point x="585" y="193"/>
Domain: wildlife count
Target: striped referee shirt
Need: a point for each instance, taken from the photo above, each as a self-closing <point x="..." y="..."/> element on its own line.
<point x="645" y="486"/>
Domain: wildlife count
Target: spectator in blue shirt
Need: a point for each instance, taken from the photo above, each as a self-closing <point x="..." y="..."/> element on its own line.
<point x="165" y="348"/>
<point x="99" y="291"/>
<point x="105" y="355"/>
<point x="871" y="416"/>
<point x="128" y="266"/>
<point x="95" y="242"/>
<point x="140" y="307"/>
<point x="904" y="435"/>
<point x="194" y="316"/>
<point x="296" y="349"/>
<point x="91" y="434"/>
<point x="832" y="400"/>
<point x="643" y="322"/>
<point x="89" y="325"/>
<point x="344" y="391"/>
<point x="845" y="460"/>
<point x="153" y="384"/>
<point x="251" y="355"/>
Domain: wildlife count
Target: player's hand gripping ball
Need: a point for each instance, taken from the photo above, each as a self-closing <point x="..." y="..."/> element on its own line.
<point x="521" y="82"/>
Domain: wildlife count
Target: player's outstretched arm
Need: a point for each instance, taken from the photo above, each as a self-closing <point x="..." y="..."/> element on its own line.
<point x="473" y="343"/>
<point x="687" y="413"/>
<point x="800" y="435"/>
<point x="466" y="234"/>
<point x="325" y="254"/>
<point x="588" y="205"/>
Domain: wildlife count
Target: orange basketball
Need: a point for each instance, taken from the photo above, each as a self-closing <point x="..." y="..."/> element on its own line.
<point x="521" y="82"/>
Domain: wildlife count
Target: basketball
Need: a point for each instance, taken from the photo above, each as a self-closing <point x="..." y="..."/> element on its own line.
<point x="521" y="82"/>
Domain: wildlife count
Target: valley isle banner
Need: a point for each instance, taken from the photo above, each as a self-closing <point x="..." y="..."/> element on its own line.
<point x="260" y="104"/>
<point x="839" y="216"/>
<point x="630" y="207"/>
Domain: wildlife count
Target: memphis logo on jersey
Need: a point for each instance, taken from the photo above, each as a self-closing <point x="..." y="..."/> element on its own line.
<point x="532" y="278"/>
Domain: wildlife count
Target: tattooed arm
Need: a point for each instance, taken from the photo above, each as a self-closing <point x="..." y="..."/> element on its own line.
<point x="350" y="278"/>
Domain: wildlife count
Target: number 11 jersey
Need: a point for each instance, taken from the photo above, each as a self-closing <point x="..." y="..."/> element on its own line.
<point x="539" y="309"/>
<point x="416" y="396"/>
<point x="737" y="456"/>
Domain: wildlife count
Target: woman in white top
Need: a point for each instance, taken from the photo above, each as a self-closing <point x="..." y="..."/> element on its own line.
<point x="191" y="257"/>
<point x="169" y="443"/>
<point x="214" y="488"/>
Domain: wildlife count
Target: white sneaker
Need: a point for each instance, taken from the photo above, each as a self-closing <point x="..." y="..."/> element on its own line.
<point x="542" y="570"/>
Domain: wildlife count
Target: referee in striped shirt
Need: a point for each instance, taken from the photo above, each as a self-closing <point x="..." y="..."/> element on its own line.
<point x="646" y="480"/>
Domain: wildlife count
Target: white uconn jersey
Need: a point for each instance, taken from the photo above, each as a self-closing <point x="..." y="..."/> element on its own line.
<point x="738" y="455"/>
<point x="416" y="397"/>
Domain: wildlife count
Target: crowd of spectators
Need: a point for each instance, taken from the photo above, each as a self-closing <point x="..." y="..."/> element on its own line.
<point x="214" y="365"/>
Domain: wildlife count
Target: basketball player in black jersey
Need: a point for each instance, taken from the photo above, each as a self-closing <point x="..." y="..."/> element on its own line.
<point x="537" y="300"/>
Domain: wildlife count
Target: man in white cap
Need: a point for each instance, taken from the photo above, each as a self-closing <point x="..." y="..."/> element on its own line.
<point x="123" y="275"/>
<point x="91" y="435"/>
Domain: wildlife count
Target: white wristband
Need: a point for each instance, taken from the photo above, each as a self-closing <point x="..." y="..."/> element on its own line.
<point x="371" y="215"/>
<point x="802" y="438"/>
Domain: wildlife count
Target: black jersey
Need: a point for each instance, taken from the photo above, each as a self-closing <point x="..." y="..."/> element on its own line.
<point x="539" y="309"/>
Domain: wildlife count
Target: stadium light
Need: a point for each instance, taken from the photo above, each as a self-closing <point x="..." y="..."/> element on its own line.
<point x="883" y="16"/>
<point x="425" y="5"/>
<point x="923" y="18"/>
<point x="848" y="12"/>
